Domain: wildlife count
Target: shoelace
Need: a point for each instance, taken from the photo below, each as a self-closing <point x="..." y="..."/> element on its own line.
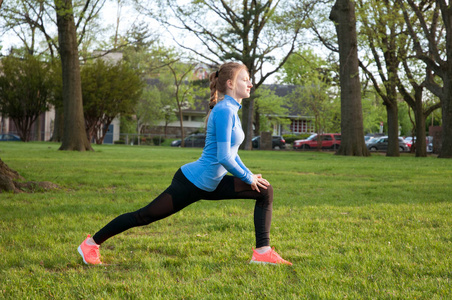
<point x="276" y="255"/>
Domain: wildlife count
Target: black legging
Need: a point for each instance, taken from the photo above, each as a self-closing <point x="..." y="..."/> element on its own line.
<point x="182" y="193"/>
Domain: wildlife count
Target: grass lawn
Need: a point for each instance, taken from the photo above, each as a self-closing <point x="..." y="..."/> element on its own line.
<point x="354" y="227"/>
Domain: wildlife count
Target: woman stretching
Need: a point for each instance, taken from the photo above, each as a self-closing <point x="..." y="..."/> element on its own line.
<point x="206" y="178"/>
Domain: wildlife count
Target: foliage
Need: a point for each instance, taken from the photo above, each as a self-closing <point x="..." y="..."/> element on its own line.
<point x="271" y="109"/>
<point x="109" y="90"/>
<point x="315" y="94"/>
<point x="25" y="91"/>
<point x="290" y="138"/>
<point x="373" y="111"/>
<point x="373" y="228"/>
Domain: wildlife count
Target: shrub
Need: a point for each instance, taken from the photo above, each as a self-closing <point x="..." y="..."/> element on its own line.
<point x="290" y="138"/>
<point x="158" y="140"/>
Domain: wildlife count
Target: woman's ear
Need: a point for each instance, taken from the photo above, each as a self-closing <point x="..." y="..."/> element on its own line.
<point x="230" y="84"/>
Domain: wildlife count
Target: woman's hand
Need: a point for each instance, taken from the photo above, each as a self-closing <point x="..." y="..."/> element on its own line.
<point x="258" y="181"/>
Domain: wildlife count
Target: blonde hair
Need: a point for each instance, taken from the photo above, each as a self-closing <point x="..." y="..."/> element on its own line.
<point x="219" y="79"/>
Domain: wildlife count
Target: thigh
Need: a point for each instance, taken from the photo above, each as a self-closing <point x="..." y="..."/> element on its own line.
<point x="231" y="187"/>
<point x="182" y="191"/>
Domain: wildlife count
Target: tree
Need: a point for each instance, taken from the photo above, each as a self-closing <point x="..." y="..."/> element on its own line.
<point x="34" y="23"/>
<point x="10" y="179"/>
<point x="381" y="31"/>
<point x="251" y="32"/>
<point x="180" y="72"/>
<point x="25" y="91"/>
<point x="343" y="15"/>
<point x="433" y="46"/>
<point x="108" y="90"/>
<point x="422" y="109"/>
<point x="74" y="137"/>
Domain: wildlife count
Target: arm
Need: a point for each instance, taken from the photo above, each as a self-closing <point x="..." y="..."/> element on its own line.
<point x="241" y="164"/>
<point x="223" y="127"/>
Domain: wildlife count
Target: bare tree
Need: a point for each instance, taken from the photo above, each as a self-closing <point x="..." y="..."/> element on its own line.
<point x="343" y="15"/>
<point x="179" y="72"/>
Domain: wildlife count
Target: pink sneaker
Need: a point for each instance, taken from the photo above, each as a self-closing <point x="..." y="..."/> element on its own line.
<point x="269" y="257"/>
<point x="89" y="253"/>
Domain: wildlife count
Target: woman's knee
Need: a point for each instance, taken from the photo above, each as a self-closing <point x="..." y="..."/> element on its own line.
<point x="267" y="195"/>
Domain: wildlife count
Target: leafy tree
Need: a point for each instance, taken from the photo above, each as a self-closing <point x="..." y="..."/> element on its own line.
<point x="414" y="96"/>
<point x="25" y="91"/>
<point x="109" y="90"/>
<point x="381" y="32"/>
<point x="352" y="143"/>
<point x="251" y="32"/>
<point x="431" y="31"/>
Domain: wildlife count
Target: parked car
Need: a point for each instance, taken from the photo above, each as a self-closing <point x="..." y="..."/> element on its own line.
<point x="381" y="144"/>
<point x="193" y="140"/>
<point x="409" y="140"/>
<point x="369" y="136"/>
<point x="278" y="142"/>
<point x="328" y="140"/>
<point x="8" y="137"/>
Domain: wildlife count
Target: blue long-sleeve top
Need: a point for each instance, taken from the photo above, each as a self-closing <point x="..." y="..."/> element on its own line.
<point x="219" y="156"/>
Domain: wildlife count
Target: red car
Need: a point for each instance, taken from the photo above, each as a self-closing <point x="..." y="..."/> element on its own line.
<point x="327" y="140"/>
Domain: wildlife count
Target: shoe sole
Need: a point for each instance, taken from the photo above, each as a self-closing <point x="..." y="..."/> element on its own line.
<point x="79" y="249"/>
<point x="262" y="263"/>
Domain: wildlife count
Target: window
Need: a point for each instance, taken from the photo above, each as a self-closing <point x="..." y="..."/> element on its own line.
<point x="301" y="126"/>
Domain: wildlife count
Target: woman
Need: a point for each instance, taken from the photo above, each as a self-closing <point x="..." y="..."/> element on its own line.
<point x="206" y="178"/>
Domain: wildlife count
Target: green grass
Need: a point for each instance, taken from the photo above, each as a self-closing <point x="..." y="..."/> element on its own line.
<point x="354" y="227"/>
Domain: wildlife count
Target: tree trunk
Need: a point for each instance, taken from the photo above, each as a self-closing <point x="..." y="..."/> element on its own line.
<point x="74" y="134"/>
<point x="392" y="112"/>
<point x="247" y="121"/>
<point x="352" y="143"/>
<point x="7" y="178"/>
<point x="419" y="116"/>
<point x="446" y="107"/>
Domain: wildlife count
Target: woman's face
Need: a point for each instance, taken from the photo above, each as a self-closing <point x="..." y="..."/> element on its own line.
<point x="243" y="86"/>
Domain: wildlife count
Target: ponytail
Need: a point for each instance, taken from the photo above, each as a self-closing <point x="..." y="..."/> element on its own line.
<point x="213" y="78"/>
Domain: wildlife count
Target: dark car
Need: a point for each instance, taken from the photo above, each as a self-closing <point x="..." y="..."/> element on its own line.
<point x="9" y="138"/>
<point x="381" y="144"/>
<point x="278" y="142"/>
<point x="193" y="140"/>
<point x="327" y="140"/>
